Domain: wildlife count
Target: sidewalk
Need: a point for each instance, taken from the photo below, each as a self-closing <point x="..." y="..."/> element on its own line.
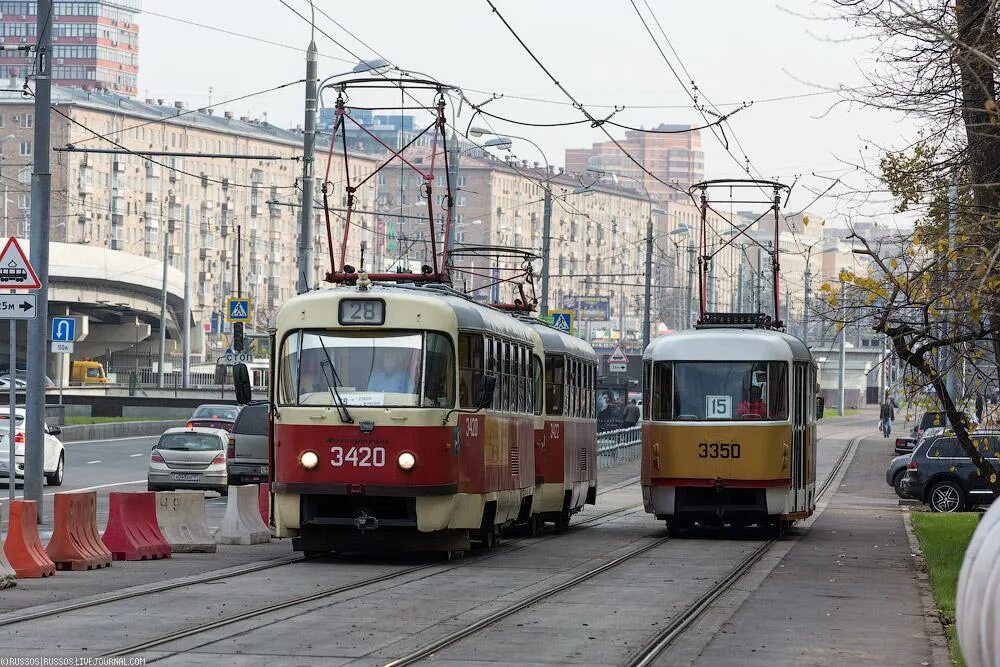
<point x="846" y="593"/>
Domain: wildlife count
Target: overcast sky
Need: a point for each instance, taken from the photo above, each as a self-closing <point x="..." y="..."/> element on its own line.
<point x="735" y="50"/>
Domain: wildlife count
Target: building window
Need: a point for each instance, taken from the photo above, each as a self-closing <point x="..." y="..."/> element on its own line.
<point x="24" y="201"/>
<point x="25" y="148"/>
<point x="27" y="120"/>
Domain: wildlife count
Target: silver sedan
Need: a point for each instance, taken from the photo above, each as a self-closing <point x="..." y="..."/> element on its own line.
<point x="189" y="458"/>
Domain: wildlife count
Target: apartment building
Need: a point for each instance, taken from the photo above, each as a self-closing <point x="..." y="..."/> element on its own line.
<point x="139" y="204"/>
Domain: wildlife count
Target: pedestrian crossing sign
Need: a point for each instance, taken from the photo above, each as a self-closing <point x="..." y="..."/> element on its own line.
<point x="562" y="320"/>
<point x="238" y="309"/>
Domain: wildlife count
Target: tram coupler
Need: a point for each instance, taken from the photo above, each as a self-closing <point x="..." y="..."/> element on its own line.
<point x="365" y="522"/>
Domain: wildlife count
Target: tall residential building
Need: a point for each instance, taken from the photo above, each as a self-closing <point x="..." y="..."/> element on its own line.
<point x="95" y="44"/>
<point x="672" y="152"/>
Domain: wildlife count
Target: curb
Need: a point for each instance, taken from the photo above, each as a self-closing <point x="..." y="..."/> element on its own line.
<point x="933" y="622"/>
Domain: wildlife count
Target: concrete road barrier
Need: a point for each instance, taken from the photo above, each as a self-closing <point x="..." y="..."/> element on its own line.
<point x="117" y="430"/>
<point x="75" y="543"/>
<point x="8" y="577"/>
<point x="977" y="598"/>
<point x="242" y="523"/>
<point x="182" y="520"/>
<point x="22" y="547"/>
<point x="132" y="532"/>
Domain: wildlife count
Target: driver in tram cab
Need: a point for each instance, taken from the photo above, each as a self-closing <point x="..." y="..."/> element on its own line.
<point x="391" y="373"/>
<point x="752" y="407"/>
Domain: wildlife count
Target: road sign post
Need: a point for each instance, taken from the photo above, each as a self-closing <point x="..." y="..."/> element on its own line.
<point x="16" y="273"/>
<point x="618" y="361"/>
<point x="562" y="320"/>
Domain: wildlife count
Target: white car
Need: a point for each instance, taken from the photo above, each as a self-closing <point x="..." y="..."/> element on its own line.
<point x="55" y="457"/>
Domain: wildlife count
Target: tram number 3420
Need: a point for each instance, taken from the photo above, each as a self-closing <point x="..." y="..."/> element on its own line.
<point x="361" y="457"/>
<point x="718" y="450"/>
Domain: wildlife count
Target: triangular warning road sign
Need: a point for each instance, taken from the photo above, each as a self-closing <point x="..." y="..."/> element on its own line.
<point x="618" y="354"/>
<point x="15" y="269"/>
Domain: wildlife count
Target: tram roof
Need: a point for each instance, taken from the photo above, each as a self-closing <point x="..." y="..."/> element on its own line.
<point x="438" y="300"/>
<point x="557" y="342"/>
<point x="724" y="344"/>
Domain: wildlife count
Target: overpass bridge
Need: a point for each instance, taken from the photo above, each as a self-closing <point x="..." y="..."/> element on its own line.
<point x="115" y="298"/>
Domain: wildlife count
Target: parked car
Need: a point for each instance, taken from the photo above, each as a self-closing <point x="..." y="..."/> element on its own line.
<point x="21" y="380"/>
<point x="247" y="456"/>
<point x="942" y="476"/>
<point x="189" y="458"/>
<point x="214" y="416"/>
<point x="54" y="459"/>
<point x="895" y="473"/>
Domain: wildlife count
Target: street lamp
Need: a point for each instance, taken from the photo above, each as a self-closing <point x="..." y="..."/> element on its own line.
<point x="684" y="230"/>
<point x="543" y="306"/>
<point x="648" y="295"/>
<point x="808" y="288"/>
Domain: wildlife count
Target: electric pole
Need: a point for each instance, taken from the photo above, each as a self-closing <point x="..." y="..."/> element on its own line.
<point x="305" y="255"/>
<point x="543" y="306"/>
<point x="38" y="335"/>
<point x="163" y="312"/>
<point x="186" y="324"/>
<point x="648" y="297"/>
<point x="453" y="157"/>
<point x="843" y="352"/>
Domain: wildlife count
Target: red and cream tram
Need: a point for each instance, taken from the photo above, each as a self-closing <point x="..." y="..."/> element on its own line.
<point x="404" y="417"/>
<point x="566" y="439"/>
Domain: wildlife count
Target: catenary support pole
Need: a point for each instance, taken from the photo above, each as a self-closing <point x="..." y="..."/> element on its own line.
<point x="41" y="192"/>
<point x="160" y="378"/>
<point x="843" y="355"/>
<point x="648" y="296"/>
<point x="543" y="308"/>
<point x="305" y="255"/>
<point x="186" y="324"/>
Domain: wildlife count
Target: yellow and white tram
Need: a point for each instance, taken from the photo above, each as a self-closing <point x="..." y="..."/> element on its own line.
<point x="729" y="428"/>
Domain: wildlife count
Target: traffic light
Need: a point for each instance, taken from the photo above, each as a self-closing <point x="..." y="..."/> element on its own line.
<point x="238" y="336"/>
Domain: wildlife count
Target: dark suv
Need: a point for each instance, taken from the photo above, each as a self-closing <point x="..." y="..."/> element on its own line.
<point x="941" y="475"/>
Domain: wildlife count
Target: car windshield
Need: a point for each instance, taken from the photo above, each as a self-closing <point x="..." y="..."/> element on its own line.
<point x="189" y="442"/>
<point x="709" y="390"/>
<point x="402" y="369"/>
<point x="216" y="412"/>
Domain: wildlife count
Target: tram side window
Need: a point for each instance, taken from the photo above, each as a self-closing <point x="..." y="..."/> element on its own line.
<point x="537" y="382"/>
<point x="289" y="370"/>
<point x="439" y="378"/>
<point x="647" y="388"/>
<point x="526" y="392"/>
<point x="470" y="368"/>
<point x="662" y="390"/>
<point x="555" y="373"/>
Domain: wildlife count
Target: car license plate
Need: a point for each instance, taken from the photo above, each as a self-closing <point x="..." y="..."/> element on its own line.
<point x="178" y="477"/>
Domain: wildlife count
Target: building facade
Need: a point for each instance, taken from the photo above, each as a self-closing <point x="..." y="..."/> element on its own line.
<point x="672" y="152"/>
<point x="95" y="43"/>
<point x="144" y="205"/>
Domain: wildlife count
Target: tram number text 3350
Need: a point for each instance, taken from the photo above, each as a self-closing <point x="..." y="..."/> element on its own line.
<point x="718" y="450"/>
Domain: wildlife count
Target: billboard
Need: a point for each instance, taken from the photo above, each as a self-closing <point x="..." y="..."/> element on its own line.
<point x="595" y="308"/>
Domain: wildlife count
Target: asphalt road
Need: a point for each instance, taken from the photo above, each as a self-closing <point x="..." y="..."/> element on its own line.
<point x="104" y="466"/>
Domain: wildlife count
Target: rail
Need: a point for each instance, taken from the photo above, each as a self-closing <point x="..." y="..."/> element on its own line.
<point x="618" y="446"/>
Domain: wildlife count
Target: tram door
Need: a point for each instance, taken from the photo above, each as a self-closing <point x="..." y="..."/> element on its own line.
<point x="799" y="407"/>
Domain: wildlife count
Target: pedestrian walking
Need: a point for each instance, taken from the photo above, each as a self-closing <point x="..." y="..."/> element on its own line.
<point x="631" y="414"/>
<point x="886" y="416"/>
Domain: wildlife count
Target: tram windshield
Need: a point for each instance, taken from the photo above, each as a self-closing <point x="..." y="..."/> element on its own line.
<point x="720" y="390"/>
<point x="393" y="369"/>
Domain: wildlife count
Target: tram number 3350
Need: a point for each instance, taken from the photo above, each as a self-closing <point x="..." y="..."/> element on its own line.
<point x="360" y="457"/>
<point x="718" y="450"/>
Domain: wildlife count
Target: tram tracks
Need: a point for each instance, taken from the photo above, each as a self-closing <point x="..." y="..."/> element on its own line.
<point x="652" y="648"/>
<point x="650" y="651"/>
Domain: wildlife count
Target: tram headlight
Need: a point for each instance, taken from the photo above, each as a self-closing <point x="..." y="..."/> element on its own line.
<point x="309" y="460"/>
<point x="406" y="461"/>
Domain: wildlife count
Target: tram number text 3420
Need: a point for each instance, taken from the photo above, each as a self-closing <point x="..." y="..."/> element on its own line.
<point x="718" y="450"/>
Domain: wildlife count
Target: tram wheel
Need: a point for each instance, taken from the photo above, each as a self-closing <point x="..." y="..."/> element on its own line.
<point x="535" y="525"/>
<point x="562" y="521"/>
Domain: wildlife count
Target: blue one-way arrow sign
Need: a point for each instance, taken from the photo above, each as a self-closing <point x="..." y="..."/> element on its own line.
<point x="63" y="329"/>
